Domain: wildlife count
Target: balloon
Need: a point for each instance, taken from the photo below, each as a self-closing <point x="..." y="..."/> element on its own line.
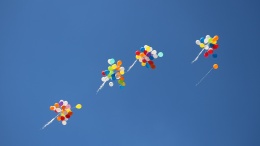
<point x="58" y="110"/>
<point x="207" y="36"/>
<point x="144" y="61"/>
<point x="122" y="78"/>
<point x="206" y="54"/>
<point x="67" y="116"/>
<point x="56" y="105"/>
<point x="215" y="66"/>
<point x="148" y="48"/>
<point x="78" y="106"/>
<point x="121" y="87"/>
<point x="202" y="45"/>
<point x="145" y="52"/>
<point x="155" y="56"/>
<point x="206" y="47"/>
<point x="215" y="46"/>
<point x="151" y="58"/>
<point x="153" y="66"/>
<point x="103" y="79"/>
<point x="210" y="40"/>
<point x="137" y="56"/>
<point x="202" y="39"/>
<point x="61" y="103"/>
<point x="137" y="53"/>
<point x="122" y="68"/>
<point x="64" y="123"/>
<point x="142" y="49"/>
<point x="122" y="72"/>
<point x="111" y="84"/>
<point x="154" y="52"/>
<point x="160" y="54"/>
<point x="123" y="84"/>
<point x="215" y="55"/>
<point x="108" y="61"/>
<point x="109" y="68"/>
<point x="147" y="65"/>
<point x="150" y="62"/>
<point x="65" y="103"/>
<point x="58" y="118"/>
<point x="210" y="51"/>
<point x="197" y="42"/>
<point x="206" y="40"/>
<point x="119" y="63"/>
<point x="114" y="66"/>
<point x="143" y="64"/>
<point x="52" y="108"/>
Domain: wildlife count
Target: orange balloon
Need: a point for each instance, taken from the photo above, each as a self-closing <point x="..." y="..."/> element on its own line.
<point x="122" y="78"/>
<point x="56" y="105"/>
<point x="215" y="66"/>
<point x="216" y="37"/>
<point x="119" y="63"/>
<point x="58" y="118"/>
<point x="63" y="107"/>
<point x="52" y="108"/>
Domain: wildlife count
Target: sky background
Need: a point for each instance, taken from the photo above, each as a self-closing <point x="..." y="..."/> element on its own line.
<point x="56" y="49"/>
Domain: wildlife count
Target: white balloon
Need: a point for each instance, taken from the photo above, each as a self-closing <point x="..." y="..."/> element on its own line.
<point x="122" y="68"/>
<point x="58" y="110"/>
<point x="146" y="58"/>
<point x="207" y="36"/>
<point x="64" y="123"/>
<point x="145" y="46"/>
<point x="108" y="61"/>
<point x="206" y="47"/>
<point x="197" y="42"/>
<point x="154" y="52"/>
<point x="151" y="49"/>
<point x="65" y="103"/>
<point x="206" y="40"/>
<point x="103" y="79"/>
<point x="106" y="78"/>
<point x="111" y="84"/>
<point x="155" y="56"/>
<point x="140" y="59"/>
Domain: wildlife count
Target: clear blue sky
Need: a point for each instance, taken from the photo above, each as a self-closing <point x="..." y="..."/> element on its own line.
<point x="56" y="49"/>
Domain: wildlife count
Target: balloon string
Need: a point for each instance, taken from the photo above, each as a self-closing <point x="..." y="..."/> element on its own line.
<point x="204" y="77"/>
<point x="50" y="121"/>
<point x="197" y="56"/>
<point x="102" y="85"/>
<point x="131" y="66"/>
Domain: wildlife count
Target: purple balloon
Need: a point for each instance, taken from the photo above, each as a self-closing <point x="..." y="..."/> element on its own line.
<point x="61" y="103"/>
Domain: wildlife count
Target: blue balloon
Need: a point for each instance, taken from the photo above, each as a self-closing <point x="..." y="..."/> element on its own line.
<point x="106" y="72"/>
<point x="202" y="39"/>
<point x="151" y="57"/>
<point x="147" y="65"/>
<point x="121" y="87"/>
<point x="215" y="55"/>
<point x="142" y="49"/>
<point x="211" y="45"/>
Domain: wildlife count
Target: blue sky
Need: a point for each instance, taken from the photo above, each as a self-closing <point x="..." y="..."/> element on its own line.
<point x="52" y="50"/>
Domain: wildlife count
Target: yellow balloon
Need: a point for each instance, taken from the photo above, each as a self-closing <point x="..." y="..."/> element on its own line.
<point x="202" y="45"/>
<point x="143" y="64"/>
<point x="215" y="66"/>
<point x="137" y="56"/>
<point x="114" y="66"/>
<point x="148" y="48"/>
<point x="214" y="42"/>
<point x="78" y="106"/>
<point x="122" y="72"/>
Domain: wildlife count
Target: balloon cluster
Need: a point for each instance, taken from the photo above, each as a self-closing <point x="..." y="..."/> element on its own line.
<point x="209" y="44"/>
<point x="115" y="72"/>
<point x="146" y="55"/>
<point x="63" y="108"/>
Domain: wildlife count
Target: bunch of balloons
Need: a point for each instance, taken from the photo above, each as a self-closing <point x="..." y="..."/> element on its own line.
<point x="114" y="72"/>
<point x="63" y="108"/>
<point x="209" y="44"/>
<point x="146" y="55"/>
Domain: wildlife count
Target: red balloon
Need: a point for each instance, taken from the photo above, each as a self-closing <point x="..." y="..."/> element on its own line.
<point x="150" y="62"/>
<point x="145" y="52"/>
<point x="103" y="73"/>
<point x="210" y="51"/>
<point x="68" y="116"/>
<point x="144" y="61"/>
<point x="153" y="66"/>
<point x="62" y="118"/>
<point x="137" y="52"/>
<point x="206" y="54"/>
<point x="215" y="46"/>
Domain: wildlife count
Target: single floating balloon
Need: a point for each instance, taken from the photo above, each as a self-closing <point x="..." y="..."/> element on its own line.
<point x="78" y="106"/>
<point x="215" y="66"/>
<point x="111" y="84"/>
<point x="160" y="54"/>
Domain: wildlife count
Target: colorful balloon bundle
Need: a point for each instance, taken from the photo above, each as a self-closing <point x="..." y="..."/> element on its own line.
<point x="146" y="55"/>
<point x="209" y="44"/>
<point x="63" y="108"/>
<point x="115" y="72"/>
